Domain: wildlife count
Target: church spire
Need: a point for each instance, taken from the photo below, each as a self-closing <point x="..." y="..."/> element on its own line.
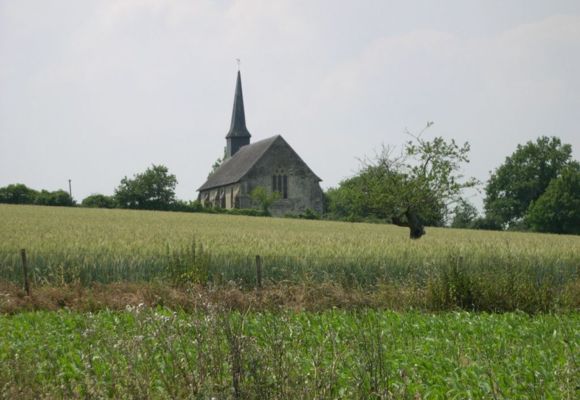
<point x="238" y="125"/>
<point x="238" y="134"/>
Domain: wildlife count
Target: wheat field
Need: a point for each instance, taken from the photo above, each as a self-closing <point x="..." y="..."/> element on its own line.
<point x="66" y="245"/>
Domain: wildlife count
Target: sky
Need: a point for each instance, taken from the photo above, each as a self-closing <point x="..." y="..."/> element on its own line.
<point x="94" y="91"/>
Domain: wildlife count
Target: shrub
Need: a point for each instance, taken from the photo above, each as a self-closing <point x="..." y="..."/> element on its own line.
<point x="17" y="194"/>
<point x="261" y="196"/>
<point x="187" y="206"/>
<point x="99" y="201"/>
<point x="189" y="265"/>
<point x="56" y="198"/>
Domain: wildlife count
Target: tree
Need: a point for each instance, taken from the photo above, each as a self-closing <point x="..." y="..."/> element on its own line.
<point x="17" y="194"/>
<point x="56" y="198"/>
<point x="558" y="208"/>
<point x="21" y="194"/>
<point x="523" y="178"/>
<point x="217" y="163"/>
<point x="347" y="202"/>
<point x="411" y="190"/>
<point x="99" y="201"/>
<point x="153" y="189"/>
<point x="464" y="215"/>
<point x="265" y="199"/>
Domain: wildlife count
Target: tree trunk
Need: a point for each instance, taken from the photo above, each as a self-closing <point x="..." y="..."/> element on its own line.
<point x="415" y="225"/>
<point x="412" y="222"/>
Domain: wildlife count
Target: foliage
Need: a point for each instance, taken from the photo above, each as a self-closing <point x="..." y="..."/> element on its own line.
<point x="21" y="194"/>
<point x="217" y="163"/>
<point x="153" y="189"/>
<point x="156" y="353"/>
<point x="309" y="214"/>
<point x="413" y="189"/>
<point x="486" y="223"/>
<point x="558" y="208"/>
<point x="523" y="178"/>
<point x="187" y="206"/>
<point x="98" y="201"/>
<point x="189" y="265"/>
<point x="17" y="194"/>
<point x="56" y="198"/>
<point x="264" y="198"/>
<point x="464" y="215"/>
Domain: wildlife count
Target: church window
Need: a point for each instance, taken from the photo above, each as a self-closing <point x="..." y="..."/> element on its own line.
<point x="280" y="185"/>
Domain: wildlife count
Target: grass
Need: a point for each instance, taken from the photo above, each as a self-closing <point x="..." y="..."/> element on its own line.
<point x="157" y="353"/>
<point x="472" y="270"/>
<point x="144" y="304"/>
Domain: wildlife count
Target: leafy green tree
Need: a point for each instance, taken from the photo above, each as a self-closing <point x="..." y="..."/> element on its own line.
<point x="56" y="198"/>
<point x="464" y="215"/>
<point x="523" y="178"/>
<point x="99" y="201"/>
<point x="558" y="209"/>
<point x="260" y="195"/>
<point x="347" y="202"/>
<point x="153" y="189"/>
<point x="412" y="190"/>
<point x="17" y="194"/>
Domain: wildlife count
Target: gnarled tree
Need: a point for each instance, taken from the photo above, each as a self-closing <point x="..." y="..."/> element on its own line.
<point x="412" y="189"/>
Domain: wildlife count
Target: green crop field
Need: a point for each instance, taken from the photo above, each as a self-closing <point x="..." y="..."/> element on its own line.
<point x="174" y="311"/>
<point x="330" y="355"/>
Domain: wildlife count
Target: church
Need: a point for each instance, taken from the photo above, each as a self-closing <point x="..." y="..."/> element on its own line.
<point x="269" y="163"/>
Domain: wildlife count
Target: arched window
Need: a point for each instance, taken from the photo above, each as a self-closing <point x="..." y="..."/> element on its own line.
<point x="280" y="185"/>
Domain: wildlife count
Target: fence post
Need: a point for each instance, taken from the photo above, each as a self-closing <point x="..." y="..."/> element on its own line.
<point x="25" y="271"/>
<point x="258" y="272"/>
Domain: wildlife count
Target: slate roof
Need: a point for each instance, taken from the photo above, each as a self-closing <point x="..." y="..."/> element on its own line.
<point x="236" y="167"/>
<point x="238" y="124"/>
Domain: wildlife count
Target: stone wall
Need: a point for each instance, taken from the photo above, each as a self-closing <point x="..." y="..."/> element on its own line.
<point x="223" y="197"/>
<point x="303" y="186"/>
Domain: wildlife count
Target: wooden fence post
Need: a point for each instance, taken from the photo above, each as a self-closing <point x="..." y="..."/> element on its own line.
<point x="25" y="271"/>
<point x="258" y="272"/>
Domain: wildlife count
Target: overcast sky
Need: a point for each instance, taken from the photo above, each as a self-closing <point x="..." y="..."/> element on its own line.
<point x="97" y="90"/>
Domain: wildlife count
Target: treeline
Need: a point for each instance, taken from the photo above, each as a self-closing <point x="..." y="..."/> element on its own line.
<point x="153" y="189"/>
<point x="537" y="188"/>
<point x="22" y="194"/>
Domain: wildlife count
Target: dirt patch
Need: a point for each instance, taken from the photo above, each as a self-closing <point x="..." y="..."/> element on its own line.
<point x="119" y="296"/>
